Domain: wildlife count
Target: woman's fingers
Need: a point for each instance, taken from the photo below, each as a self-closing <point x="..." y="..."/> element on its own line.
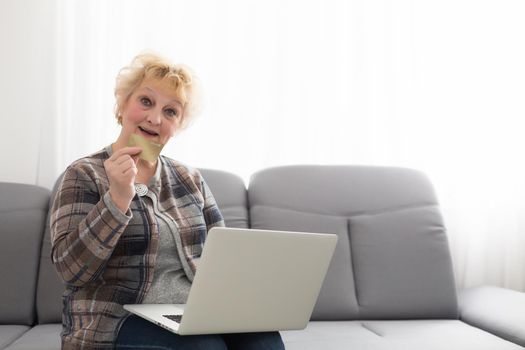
<point x="122" y="170"/>
<point x="121" y="166"/>
<point x="128" y="167"/>
<point x="125" y="163"/>
<point x="124" y="158"/>
<point x="124" y="154"/>
<point x="130" y="151"/>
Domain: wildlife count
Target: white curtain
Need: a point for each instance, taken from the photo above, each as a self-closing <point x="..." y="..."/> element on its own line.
<point x="433" y="85"/>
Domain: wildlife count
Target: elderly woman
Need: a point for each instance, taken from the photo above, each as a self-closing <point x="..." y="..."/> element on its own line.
<point x="127" y="229"/>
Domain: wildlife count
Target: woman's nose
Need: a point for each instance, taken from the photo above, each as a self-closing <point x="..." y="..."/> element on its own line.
<point x="154" y="117"/>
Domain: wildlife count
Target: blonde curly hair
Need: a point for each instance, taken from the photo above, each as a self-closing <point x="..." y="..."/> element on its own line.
<point x="150" y="66"/>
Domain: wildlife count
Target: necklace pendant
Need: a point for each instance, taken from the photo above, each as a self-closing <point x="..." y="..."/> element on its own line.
<point x="141" y="189"/>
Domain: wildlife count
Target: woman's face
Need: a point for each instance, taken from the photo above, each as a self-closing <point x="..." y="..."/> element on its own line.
<point x="152" y="111"/>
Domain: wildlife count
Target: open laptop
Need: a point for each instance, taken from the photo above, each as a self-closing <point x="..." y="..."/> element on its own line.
<point x="249" y="281"/>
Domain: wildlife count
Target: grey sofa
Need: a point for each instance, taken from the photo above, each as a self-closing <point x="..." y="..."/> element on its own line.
<point x="390" y="284"/>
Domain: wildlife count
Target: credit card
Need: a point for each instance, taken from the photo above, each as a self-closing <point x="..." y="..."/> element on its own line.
<point x="150" y="149"/>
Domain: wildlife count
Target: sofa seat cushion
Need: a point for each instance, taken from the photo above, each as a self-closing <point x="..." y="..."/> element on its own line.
<point x="394" y="335"/>
<point x="42" y="337"/>
<point x="9" y="334"/>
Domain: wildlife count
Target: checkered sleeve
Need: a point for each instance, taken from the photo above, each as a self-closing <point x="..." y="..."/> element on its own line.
<point x="84" y="230"/>
<point x="212" y="214"/>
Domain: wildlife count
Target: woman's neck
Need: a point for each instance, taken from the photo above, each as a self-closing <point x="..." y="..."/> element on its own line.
<point x="146" y="171"/>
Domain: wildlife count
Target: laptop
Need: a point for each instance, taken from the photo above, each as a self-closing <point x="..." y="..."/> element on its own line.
<point x="249" y="280"/>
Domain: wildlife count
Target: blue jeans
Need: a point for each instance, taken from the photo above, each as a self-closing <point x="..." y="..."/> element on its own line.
<point x="137" y="333"/>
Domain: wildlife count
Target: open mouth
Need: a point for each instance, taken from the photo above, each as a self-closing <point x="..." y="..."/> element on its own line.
<point x="148" y="132"/>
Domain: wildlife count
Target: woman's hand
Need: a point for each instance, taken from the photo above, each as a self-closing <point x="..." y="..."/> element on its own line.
<point x="121" y="168"/>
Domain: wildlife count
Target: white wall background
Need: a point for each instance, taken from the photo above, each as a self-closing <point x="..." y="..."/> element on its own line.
<point x="27" y="91"/>
<point x="437" y="86"/>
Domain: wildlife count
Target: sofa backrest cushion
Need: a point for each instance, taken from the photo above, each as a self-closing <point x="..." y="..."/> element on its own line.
<point x="50" y="287"/>
<point x="231" y="196"/>
<point x="23" y="210"/>
<point x="392" y="259"/>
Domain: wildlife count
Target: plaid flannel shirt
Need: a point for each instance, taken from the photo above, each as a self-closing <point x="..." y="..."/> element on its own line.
<point x="107" y="258"/>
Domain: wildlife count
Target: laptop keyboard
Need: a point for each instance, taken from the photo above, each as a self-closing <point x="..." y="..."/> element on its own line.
<point x="176" y="318"/>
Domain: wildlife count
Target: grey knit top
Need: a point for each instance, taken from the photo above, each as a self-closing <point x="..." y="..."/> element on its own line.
<point x="170" y="283"/>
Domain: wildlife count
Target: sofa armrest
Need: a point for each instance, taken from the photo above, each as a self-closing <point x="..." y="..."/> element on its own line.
<point x="496" y="310"/>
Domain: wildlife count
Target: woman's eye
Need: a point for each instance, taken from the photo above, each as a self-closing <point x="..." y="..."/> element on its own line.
<point x="145" y="101"/>
<point x="172" y="112"/>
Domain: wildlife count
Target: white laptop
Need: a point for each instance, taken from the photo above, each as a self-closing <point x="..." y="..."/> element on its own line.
<point x="249" y="281"/>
